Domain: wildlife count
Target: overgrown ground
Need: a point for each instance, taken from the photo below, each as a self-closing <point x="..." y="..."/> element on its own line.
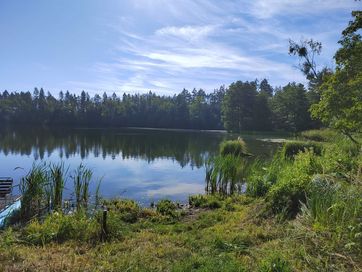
<point x="238" y="236"/>
<point x="301" y="212"/>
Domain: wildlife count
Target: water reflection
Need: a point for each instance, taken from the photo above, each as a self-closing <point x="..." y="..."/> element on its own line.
<point x="186" y="147"/>
<point x="142" y="164"/>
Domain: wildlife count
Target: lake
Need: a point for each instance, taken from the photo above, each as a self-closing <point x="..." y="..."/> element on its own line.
<point x="142" y="164"/>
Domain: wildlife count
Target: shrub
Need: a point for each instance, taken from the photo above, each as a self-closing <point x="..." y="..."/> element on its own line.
<point x="290" y="149"/>
<point x="235" y="148"/>
<point x="319" y="135"/>
<point x="257" y="186"/>
<point x="262" y="177"/>
<point x="127" y="209"/>
<point x="59" y="228"/>
<point x="289" y="191"/>
<point x="166" y="207"/>
<point x="205" y="201"/>
<point x="335" y="206"/>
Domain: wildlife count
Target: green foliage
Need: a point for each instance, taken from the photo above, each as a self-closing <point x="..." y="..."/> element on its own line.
<point x="291" y="149"/>
<point x="42" y="189"/>
<point x="319" y="135"/>
<point x="235" y="148"/>
<point x="57" y="182"/>
<point x="290" y="108"/>
<point x="225" y="174"/>
<point x="205" y="201"/>
<point x="32" y="187"/>
<point x="192" y="110"/>
<point x="60" y="228"/>
<point x="336" y="207"/>
<point x="237" y="106"/>
<point x="81" y="181"/>
<point x="287" y="194"/>
<point x="128" y="210"/>
<point x="340" y="106"/>
<point x="167" y="207"/>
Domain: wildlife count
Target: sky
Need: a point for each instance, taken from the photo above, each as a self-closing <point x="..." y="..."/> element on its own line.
<point x="135" y="46"/>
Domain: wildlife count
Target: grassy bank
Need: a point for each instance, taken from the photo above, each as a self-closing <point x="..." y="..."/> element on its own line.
<point x="301" y="212"/>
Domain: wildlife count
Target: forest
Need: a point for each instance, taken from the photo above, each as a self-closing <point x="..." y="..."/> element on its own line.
<point x="242" y="106"/>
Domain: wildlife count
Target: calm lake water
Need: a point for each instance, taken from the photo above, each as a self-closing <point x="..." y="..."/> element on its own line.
<point x="142" y="164"/>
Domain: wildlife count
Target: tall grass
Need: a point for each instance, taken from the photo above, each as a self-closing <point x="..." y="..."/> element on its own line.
<point x="57" y="180"/>
<point x="319" y="135"/>
<point x="81" y="180"/>
<point x="43" y="187"/>
<point x="225" y="175"/>
<point x="32" y="188"/>
<point x="236" y="148"/>
<point x="291" y="149"/>
<point x="333" y="205"/>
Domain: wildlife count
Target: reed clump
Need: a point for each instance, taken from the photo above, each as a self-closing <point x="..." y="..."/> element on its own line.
<point x="236" y="148"/>
<point x="43" y="187"/>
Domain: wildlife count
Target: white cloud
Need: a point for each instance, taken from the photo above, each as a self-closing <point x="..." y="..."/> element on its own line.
<point x="177" y="189"/>
<point x="189" y="33"/>
<point x="194" y="44"/>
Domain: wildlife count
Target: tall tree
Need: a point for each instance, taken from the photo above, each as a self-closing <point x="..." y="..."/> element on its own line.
<point x="238" y="106"/>
<point x="340" y="105"/>
<point x="290" y="108"/>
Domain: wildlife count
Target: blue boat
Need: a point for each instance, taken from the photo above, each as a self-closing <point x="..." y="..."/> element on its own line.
<point x="8" y="210"/>
<point x="8" y="203"/>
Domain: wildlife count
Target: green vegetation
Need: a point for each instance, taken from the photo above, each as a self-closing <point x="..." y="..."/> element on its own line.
<point x="298" y="214"/>
<point x="42" y="190"/>
<point x="318" y="135"/>
<point x="291" y="149"/>
<point x="235" y="148"/>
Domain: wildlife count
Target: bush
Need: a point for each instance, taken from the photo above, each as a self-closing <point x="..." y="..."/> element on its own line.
<point x="262" y="177"/>
<point x="319" y="135"/>
<point x="335" y="206"/>
<point x="287" y="194"/>
<point x="166" y="207"/>
<point x="127" y="209"/>
<point x="235" y="148"/>
<point x="60" y="228"/>
<point x="205" y="201"/>
<point x="290" y="149"/>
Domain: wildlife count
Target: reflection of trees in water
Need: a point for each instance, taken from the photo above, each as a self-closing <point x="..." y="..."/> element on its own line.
<point x="185" y="147"/>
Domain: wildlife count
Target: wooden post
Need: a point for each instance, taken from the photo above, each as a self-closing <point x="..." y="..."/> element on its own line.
<point x="104" y="225"/>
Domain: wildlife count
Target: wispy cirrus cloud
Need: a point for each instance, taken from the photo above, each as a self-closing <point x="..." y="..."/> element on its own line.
<point x="184" y="50"/>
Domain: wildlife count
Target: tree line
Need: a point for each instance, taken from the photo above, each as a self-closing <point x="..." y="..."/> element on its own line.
<point x="242" y="106"/>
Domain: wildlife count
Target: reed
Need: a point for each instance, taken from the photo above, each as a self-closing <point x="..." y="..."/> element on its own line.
<point x="81" y="180"/>
<point x="237" y="148"/>
<point x="57" y="180"/>
<point x="225" y="175"/>
<point x="32" y="188"/>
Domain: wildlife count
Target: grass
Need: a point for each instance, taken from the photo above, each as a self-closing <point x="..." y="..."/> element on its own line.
<point x="244" y="238"/>
<point x="236" y="148"/>
<point x="57" y="177"/>
<point x="292" y="148"/>
<point x="319" y="135"/>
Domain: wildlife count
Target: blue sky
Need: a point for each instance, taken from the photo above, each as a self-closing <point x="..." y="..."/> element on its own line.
<point x="159" y="45"/>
